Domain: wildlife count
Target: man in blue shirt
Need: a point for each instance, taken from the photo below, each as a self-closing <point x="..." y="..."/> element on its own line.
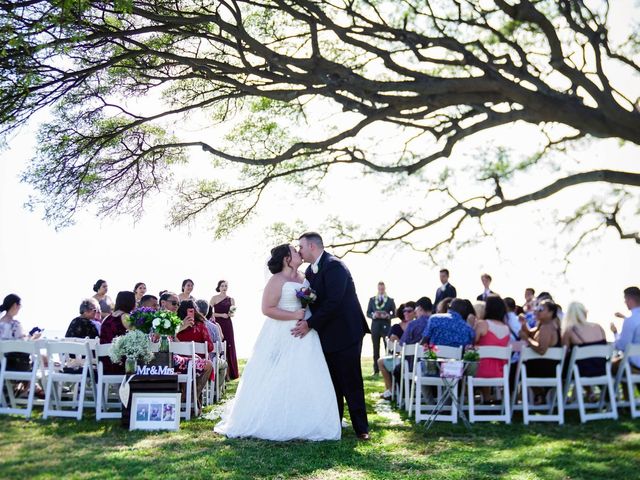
<point x="630" y="327"/>
<point x="451" y="328"/>
<point x="413" y="332"/>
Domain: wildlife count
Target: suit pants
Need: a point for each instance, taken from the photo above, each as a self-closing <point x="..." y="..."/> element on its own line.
<point x="379" y="330"/>
<point x="346" y="375"/>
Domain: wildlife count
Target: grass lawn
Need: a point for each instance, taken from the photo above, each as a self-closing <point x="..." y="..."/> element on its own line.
<point x="67" y="449"/>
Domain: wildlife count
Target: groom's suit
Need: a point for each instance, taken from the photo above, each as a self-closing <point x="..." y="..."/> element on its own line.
<point x="337" y="317"/>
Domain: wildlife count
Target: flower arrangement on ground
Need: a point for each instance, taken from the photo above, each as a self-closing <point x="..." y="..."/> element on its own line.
<point x="133" y="346"/>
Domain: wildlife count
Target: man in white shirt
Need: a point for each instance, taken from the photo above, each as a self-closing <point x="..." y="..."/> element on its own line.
<point x="630" y="327"/>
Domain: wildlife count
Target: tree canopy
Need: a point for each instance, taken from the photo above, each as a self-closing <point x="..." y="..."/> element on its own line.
<point x="117" y="77"/>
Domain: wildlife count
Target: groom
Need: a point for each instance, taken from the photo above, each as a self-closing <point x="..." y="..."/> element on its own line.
<point x="337" y="317"/>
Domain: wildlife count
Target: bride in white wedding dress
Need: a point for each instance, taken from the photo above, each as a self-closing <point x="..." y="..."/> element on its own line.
<point x="285" y="392"/>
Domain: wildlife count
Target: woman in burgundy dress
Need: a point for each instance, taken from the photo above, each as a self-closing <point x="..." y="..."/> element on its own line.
<point x="115" y="326"/>
<point x="221" y="304"/>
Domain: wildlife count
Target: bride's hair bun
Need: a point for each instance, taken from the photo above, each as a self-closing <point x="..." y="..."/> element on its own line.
<point x="278" y="254"/>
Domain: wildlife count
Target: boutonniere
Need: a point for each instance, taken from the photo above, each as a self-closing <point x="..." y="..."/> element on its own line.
<point x="314" y="268"/>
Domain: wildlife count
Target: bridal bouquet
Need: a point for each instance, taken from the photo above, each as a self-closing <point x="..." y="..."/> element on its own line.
<point x="306" y="295"/>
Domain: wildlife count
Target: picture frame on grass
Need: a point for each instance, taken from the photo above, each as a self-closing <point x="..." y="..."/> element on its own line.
<point x="155" y="411"/>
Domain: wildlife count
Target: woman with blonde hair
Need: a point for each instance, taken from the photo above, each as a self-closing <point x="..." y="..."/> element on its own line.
<point x="577" y="331"/>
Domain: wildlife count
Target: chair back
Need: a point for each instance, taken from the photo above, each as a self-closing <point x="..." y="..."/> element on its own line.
<point x="20" y="346"/>
<point x="103" y="349"/>
<point x="632" y="350"/>
<point x="444" y="351"/>
<point x="182" y="348"/>
<point x="499" y="353"/>
<point x="591" y="351"/>
<point x="68" y="348"/>
<point x="201" y="348"/>
<point x="553" y="353"/>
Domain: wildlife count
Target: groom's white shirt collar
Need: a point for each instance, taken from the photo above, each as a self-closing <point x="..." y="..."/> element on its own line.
<point x="314" y="266"/>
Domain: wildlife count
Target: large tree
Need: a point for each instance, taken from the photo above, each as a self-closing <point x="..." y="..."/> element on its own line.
<point x="116" y="77"/>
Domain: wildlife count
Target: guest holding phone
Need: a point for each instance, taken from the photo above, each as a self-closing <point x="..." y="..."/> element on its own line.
<point x="194" y="329"/>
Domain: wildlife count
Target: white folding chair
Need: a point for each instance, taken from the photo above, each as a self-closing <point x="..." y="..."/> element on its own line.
<point x="499" y="353"/>
<point x="603" y="382"/>
<point x="8" y="376"/>
<point x="55" y="403"/>
<point x="524" y="382"/>
<point x="627" y="378"/>
<point x="108" y="404"/>
<point x="424" y="411"/>
<point x="394" y="349"/>
<point x="186" y="349"/>
<point x="201" y="349"/>
<point x="407" y="353"/>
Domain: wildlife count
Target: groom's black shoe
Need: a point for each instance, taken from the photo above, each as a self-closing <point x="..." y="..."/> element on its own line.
<point x="364" y="437"/>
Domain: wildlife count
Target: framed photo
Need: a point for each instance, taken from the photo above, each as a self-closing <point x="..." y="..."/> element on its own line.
<point x="155" y="411"/>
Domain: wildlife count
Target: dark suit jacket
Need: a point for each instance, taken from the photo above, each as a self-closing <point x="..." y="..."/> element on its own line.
<point x="481" y="297"/>
<point x="336" y="314"/>
<point x="389" y="307"/>
<point x="449" y="292"/>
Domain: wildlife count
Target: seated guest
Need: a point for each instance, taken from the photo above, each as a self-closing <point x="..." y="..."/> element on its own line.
<point x="169" y="301"/>
<point x="451" y="328"/>
<point x="413" y="333"/>
<point x="11" y="329"/>
<point x="115" y="325"/>
<point x="193" y="329"/>
<point x="492" y="332"/>
<point x="385" y="364"/>
<point x="443" y="305"/>
<point x="630" y="328"/>
<point x="479" y="308"/>
<point x="84" y="326"/>
<point x="149" y="301"/>
<point x="577" y="331"/>
<point x="512" y="318"/>
<point x="546" y="334"/>
<point x="215" y="332"/>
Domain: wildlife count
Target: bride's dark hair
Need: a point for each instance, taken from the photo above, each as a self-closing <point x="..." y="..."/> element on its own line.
<point x="278" y="254"/>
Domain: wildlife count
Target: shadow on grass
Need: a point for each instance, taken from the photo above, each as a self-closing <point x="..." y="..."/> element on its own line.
<point x="398" y="450"/>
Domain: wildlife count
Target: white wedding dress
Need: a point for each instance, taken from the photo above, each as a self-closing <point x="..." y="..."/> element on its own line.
<point x="285" y="391"/>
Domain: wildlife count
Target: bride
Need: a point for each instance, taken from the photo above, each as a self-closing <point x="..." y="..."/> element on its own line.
<point x="285" y="392"/>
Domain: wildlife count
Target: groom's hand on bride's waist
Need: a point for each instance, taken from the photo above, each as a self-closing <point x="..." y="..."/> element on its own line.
<point x="301" y="329"/>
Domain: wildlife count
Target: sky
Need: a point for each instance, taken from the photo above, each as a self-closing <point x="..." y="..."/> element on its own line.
<point x="54" y="270"/>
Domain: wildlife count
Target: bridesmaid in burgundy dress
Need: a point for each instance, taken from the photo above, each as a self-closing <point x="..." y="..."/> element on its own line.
<point x="221" y="304"/>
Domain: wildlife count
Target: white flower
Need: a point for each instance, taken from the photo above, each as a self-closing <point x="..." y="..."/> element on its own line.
<point x="156" y="322"/>
<point x="167" y="323"/>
